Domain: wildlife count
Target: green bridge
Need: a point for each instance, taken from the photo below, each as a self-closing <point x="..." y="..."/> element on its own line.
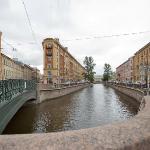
<point x="13" y="95"/>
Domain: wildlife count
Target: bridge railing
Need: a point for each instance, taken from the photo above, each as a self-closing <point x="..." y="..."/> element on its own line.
<point x="14" y="87"/>
<point x="141" y="87"/>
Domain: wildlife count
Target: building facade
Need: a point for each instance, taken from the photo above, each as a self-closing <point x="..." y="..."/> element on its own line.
<point x="59" y="65"/>
<point x="124" y="72"/>
<point x="141" y="63"/>
<point x="137" y="68"/>
<point x="12" y="69"/>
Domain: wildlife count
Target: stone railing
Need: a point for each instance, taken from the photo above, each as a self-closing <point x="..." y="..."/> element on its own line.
<point x="141" y="87"/>
<point x="132" y="134"/>
<point x="47" y="92"/>
<point x="42" y="86"/>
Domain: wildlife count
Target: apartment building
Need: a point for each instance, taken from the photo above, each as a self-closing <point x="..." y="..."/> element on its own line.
<point x="12" y="69"/>
<point x="124" y="72"/>
<point x="141" y="62"/>
<point x="59" y="65"/>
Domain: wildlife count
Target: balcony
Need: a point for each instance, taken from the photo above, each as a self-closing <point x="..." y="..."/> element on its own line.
<point x="49" y="46"/>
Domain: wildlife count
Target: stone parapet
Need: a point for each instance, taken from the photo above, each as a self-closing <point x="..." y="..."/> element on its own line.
<point x="48" y="92"/>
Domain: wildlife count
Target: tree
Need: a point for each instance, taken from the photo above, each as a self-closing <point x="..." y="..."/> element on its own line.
<point x="107" y="72"/>
<point x="89" y="66"/>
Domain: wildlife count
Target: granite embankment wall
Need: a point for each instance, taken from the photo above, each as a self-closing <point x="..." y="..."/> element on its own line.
<point x="132" y="134"/>
<point x="134" y="93"/>
<point x="137" y="94"/>
<point x="47" y="93"/>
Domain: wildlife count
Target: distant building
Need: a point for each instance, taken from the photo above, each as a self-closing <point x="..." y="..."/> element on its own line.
<point x="10" y="68"/>
<point x="124" y="72"/>
<point x="36" y="74"/>
<point x="135" y="69"/>
<point x="27" y="72"/>
<point x="98" y="78"/>
<point x="59" y="65"/>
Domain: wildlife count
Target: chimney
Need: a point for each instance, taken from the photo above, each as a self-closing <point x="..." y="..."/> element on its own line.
<point x="0" y="41"/>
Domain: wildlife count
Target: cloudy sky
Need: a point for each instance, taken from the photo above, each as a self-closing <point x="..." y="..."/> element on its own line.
<point x="70" y="20"/>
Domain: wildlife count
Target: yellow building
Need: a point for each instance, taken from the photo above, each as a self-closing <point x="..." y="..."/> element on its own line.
<point x="10" y="68"/>
<point x="59" y="65"/>
<point x="13" y="69"/>
<point x="141" y="62"/>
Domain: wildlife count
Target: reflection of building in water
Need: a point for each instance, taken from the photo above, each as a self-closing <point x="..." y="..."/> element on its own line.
<point x="59" y="65"/>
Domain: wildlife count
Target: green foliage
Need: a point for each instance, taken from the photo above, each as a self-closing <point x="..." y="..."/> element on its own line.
<point x="89" y="66"/>
<point x="107" y="72"/>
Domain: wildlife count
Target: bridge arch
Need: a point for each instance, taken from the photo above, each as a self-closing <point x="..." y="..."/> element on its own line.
<point x="13" y="95"/>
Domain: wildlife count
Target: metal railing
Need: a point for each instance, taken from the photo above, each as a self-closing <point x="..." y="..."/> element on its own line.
<point x="142" y="87"/>
<point x="13" y="87"/>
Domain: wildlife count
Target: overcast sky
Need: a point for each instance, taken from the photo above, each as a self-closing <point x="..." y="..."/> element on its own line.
<point x="76" y="19"/>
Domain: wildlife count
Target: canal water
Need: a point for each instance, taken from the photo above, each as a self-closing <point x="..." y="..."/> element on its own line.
<point x="89" y="107"/>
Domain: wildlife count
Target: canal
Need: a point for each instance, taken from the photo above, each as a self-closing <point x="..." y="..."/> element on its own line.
<point x="89" y="107"/>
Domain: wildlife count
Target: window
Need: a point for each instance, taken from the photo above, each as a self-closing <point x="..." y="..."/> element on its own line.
<point x="49" y="65"/>
<point x="49" y="74"/>
<point x="49" y="58"/>
<point x="49" y="46"/>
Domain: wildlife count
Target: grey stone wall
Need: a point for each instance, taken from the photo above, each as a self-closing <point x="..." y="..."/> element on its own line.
<point x="134" y="93"/>
<point x="50" y="93"/>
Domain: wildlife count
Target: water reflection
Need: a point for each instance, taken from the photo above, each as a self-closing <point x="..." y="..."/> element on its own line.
<point x="89" y="107"/>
